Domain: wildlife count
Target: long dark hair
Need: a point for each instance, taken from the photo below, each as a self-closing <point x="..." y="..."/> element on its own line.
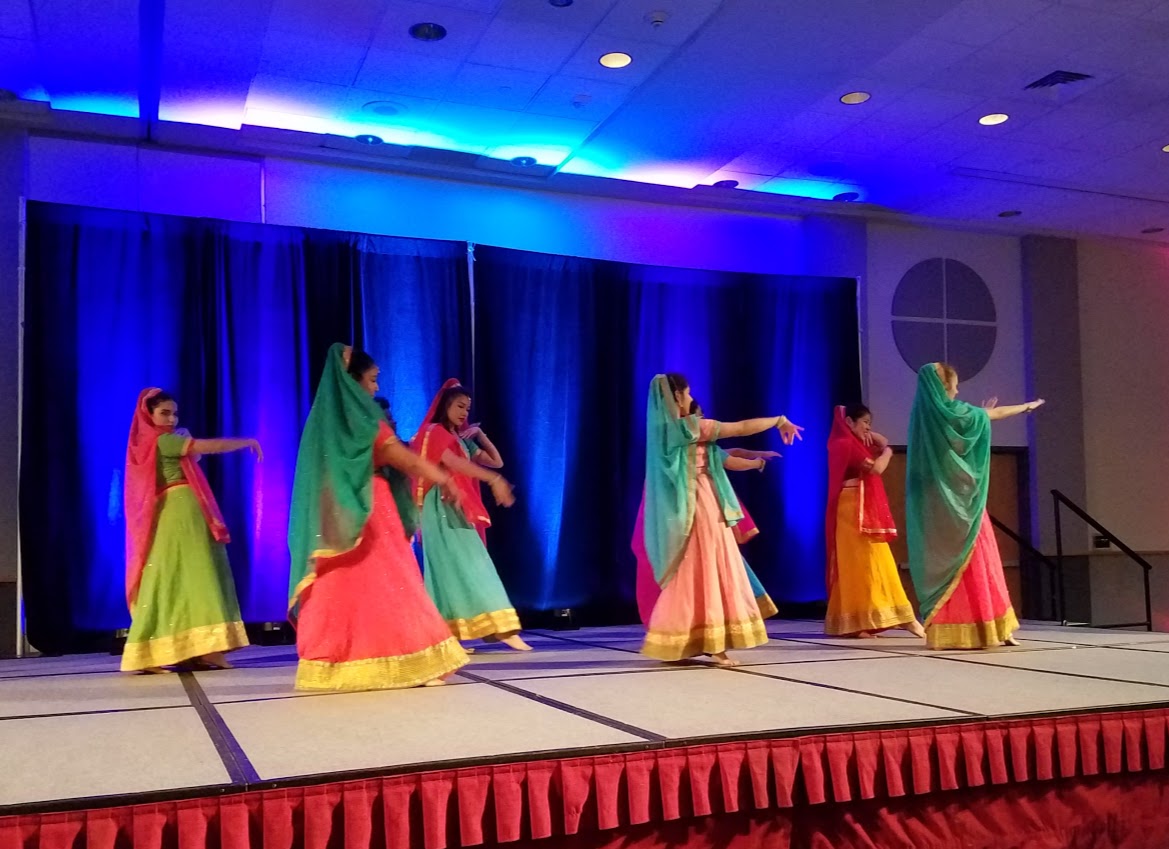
<point x="385" y="405"/>
<point x="444" y="403"/>
<point x="677" y="382"/>
<point x="161" y="398"/>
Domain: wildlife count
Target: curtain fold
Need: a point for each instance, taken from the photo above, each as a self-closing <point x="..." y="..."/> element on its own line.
<point x="234" y="319"/>
<point x="566" y="349"/>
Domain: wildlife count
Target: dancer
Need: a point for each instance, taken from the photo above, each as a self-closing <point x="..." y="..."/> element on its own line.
<point x="745" y="530"/>
<point x="363" y="618"/>
<point x="480" y="449"/>
<point x="179" y="587"/>
<point x="953" y="556"/>
<point x="460" y="575"/>
<point x="707" y="604"/>
<point x="865" y="595"/>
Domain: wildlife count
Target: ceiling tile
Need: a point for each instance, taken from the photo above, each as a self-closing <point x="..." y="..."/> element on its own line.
<point x="341" y="20"/>
<point x="312" y="56"/>
<point x="582" y="16"/>
<point x="530" y="46"/>
<point x="498" y="88"/>
<point x="979" y="22"/>
<point x="575" y="97"/>
<point x="464" y="29"/>
<point x="646" y="59"/>
<point x="638" y="19"/>
<point x="16" y="19"/>
<point x="418" y="76"/>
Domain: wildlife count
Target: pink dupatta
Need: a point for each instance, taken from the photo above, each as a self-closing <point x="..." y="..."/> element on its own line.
<point x="142" y="492"/>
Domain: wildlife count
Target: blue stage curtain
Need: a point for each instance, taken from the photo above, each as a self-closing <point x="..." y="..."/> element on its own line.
<point x="234" y="320"/>
<point x="566" y="349"/>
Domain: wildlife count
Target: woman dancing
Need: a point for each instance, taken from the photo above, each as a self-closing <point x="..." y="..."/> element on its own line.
<point x="179" y="586"/>
<point x="953" y="556"/>
<point x="363" y="618"/>
<point x="865" y="595"/>
<point x="707" y="604"/>
<point x="460" y="575"/>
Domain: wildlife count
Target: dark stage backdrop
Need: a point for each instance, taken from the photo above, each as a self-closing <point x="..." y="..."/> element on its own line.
<point x="235" y="318"/>
<point x="566" y="351"/>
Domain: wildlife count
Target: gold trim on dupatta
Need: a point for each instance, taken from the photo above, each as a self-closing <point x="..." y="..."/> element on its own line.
<point x="767" y="607"/>
<point x="382" y="673"/>
<point x="194" y="642"/>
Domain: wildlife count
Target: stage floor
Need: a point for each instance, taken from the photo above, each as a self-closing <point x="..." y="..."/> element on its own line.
<point x="73" y="729"/>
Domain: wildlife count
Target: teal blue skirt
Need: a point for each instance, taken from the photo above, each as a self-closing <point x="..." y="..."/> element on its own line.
<point x="460" y="575"/>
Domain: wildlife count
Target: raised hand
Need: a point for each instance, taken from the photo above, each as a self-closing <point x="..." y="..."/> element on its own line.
<point x="790" y="432"/>
<point x="471" y="432"/>
<point x="990" y="403"/>
<point x="254" y="447"/>
<point x="1035" y="405"/>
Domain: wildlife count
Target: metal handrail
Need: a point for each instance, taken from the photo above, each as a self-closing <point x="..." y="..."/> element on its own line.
<point x="1060" y="500"/>
<point x="1035" y="553"/>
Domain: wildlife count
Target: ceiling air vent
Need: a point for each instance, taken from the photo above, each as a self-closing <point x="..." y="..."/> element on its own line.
<point x="1059" y="78"/>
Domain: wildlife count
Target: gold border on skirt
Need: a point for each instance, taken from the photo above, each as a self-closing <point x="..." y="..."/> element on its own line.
<point x="382" y="673"/>
<point x="195" y="642"/>
<point x="976" y="635"/>
<point x="705" y="639"/>
<point x="503" y="623"/>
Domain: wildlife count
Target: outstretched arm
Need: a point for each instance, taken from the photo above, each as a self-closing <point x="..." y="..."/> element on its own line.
<point x="996" y="412"/>
<point x="225" y="445"/>
<point x="750" y="427"/>
<point x="735" y="463"/>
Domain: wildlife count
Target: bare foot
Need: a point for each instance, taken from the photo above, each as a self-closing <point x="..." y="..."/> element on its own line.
<point x="721" y="659"/>
<point x="216" y="660"/>
<point x="914" y="628"/>
<point x="866" y="635"/>
<point x="1010" y="641"/>
<point x="515" y="641"/>
<point x="469" y="649"/>
<point x="435" y="682"/>
<point x="155" y="670"/>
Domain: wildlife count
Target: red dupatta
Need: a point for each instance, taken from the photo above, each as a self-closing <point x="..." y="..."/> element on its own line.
<point x="434" y="439"/>
<point x="851" y="459"/>
<point x="142" y="492"/>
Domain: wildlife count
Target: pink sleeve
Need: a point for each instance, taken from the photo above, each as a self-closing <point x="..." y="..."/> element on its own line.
<point x="708" y="430"/>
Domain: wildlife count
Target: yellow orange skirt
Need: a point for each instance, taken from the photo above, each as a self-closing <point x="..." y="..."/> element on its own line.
<point x="867" y="595"/>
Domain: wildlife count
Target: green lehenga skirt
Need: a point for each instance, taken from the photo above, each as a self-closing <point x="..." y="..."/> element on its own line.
<point x="460" y="575"/>
<point x="186" y="604"/>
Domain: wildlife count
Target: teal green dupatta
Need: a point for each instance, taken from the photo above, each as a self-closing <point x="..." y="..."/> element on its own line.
<point x="671" y="480"/>
<point x="332" y="493"/>
<point x="947" y="480"/>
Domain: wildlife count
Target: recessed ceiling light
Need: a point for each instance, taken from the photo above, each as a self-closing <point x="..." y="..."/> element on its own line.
<point x="384" y="107"/>
<point x="1166" y="148"/>
<point x="615" y="60"/>
<point x="428" y="32"/>
<point x="368" y="139"/>
<point x="1011" y="213"/>
<point x="523" y="161"/>
<point x="994" y="119"/>
<point x="855" y="97"/>
<point x="727" y="184"/>
<point x="1151" y="230"/>
<point x="847" y="196"/>
<point x="560" y="3"/>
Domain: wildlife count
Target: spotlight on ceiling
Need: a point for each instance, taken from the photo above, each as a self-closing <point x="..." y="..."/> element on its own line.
<point x="854" y="97"/>
<point x="428" y="32"/>
<point x="368" y="139"/>
<point x="727" y="184"/>
<point x="1010" y="213"/>
<point x="847" y="196"/>
<point x="615" y="60"/>
<point x="1165" y="148"/>
<point x="523" y="161"/>
<point x="994" y="119"/>
<point x="560" y="4"/>
<point x="1151" y="230"/>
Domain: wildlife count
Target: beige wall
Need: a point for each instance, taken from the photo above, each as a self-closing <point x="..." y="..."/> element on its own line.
<point x="1124" y="328"/>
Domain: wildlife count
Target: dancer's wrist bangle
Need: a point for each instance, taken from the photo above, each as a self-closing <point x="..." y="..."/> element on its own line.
<point x="780" y="421"/>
